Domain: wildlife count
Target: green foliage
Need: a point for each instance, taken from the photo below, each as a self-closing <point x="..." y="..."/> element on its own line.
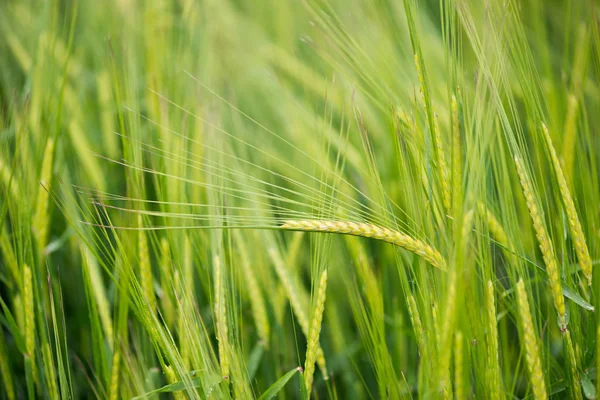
<point x="157" y="156"/>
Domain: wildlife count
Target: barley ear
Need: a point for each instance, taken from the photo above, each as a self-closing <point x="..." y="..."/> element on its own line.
<point x="545" y="243"/>
<point x="221" y="317"/>
<point x="442" y="166"/>
<point x="29" y="314"/>
<point x="493" y="367"/>
<point x="115" y="375"/>
<point x="172" y="378"/>
<point x="577" y="235"/>
<point x="456" y="155"/>
<point x="315" y="330"/>
<point x="396" y="238"/>
<point x="41" y="219"/>
<point x="575" y="379"/>
<point x="5" y="372"/>
<point x="529" y="338"/>
<point x="147" y="280"/>
<point x="459" y="386"/>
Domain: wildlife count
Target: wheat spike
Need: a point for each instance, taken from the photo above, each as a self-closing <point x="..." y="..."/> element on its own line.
<point x="545" y="243"/>
<point x="399" y="239"/>
<point x="315" y="331"/>
<point x="532" y="354"/>
<point x="581" y="248"/>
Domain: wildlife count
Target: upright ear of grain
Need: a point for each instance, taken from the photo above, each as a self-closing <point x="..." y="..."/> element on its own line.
<point x="574" y="372"/>
<point x="459" y="384"/>
<point x="29" y="314"/>
<point x="5" y="372"/>
<point x="221" y="317"/>
<point x="115" y="374"/>
<point x="581" y="249"/>
<point x="315" y="331"/>
<point x="529" y="339"/>
<point x="298" y="301"/>
<point x="257" y="302"/>
<point x="41" y="218"/>
<point x="146" y="278"/>
<point x="545" y="243"/>
<point x="493" y="364"/>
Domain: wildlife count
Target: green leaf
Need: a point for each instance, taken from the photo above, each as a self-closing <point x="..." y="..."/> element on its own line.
<point x="576" y="298"/>
<point x="254" y="359"/>
<point x="179" y="386"/>
<point x="589" y="390"/>
<point x="277" y="386"/>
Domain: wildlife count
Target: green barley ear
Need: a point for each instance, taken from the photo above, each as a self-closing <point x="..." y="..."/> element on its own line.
<point x="257" y="302"/>
<point x="442" y="166"/>
<point x="315" y="330"/>
<point x="146" y="278"/>
<point x="581" y="248"/>
<point x="493" y="365"/>
<point x="5" y="372"/>
<point x="166" y="282"/>
<point x="397" y="238"/>
<point x="115" y="375"/>
<point x="172" y="379"/>
<point x="298" y="300"/>
<point x="575" y="379"/>
<point x="544" y="241"/>
<point x="459" y="386"/>
<point x="221" y="317"/>
<point x="456" y="176"/>
<point x="529" y="338"/>
<point x="29" y="316"/>
<point x="41" y="219"/>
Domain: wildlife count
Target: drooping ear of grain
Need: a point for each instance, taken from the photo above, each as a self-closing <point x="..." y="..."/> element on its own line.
<point x="581" y="249"/>
<point x="315" y="330"/>
<point x="544" y="241"/>
<point x="399" y="239"/>
<point x="530" y="341"/>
